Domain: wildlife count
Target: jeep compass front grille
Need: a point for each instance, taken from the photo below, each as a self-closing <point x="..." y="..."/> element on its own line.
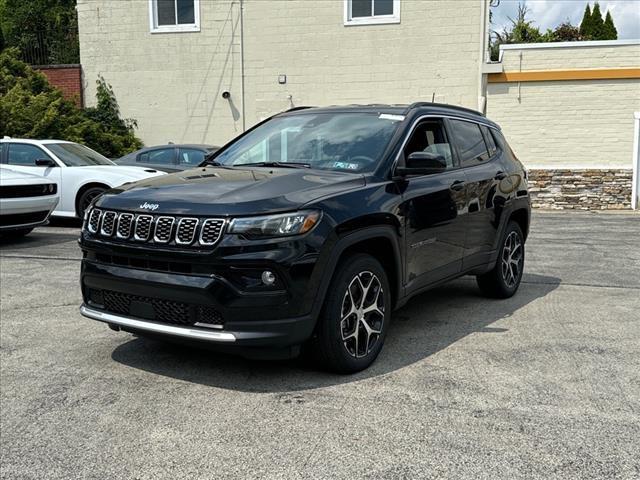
<point x="160" y="229"/>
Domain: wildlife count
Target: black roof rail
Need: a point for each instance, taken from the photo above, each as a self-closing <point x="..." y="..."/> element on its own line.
<point x="444" y="105"/>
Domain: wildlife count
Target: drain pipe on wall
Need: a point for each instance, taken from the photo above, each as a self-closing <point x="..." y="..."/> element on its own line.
<point x="635" y="186"/>
<point x="482" y="95"/>
<point x="244" y="111"/>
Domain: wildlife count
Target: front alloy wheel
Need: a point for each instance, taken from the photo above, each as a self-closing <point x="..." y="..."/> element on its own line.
<point x="362" y="314"/>
<point x="355" y="317"/>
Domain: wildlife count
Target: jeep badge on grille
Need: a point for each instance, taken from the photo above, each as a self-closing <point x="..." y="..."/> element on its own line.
<point x="149" y="206"/>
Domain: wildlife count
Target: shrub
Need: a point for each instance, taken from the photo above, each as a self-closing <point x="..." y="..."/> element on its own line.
<point x="31" y="108"/>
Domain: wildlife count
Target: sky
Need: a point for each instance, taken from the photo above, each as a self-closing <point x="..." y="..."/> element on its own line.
<point x="550" y="13"/>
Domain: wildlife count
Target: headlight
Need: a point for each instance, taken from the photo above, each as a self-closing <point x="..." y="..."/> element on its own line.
<point x="275" y="225"/>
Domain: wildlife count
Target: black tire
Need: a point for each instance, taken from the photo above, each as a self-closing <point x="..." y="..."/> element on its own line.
<point x="86" y="198"/>
<point x="342" y="342"/>
<point x="504" y="279"/>
<point x="14" y="234"/>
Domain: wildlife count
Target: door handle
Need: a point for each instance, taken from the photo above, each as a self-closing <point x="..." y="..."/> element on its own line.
<point x="457" y="185"/>
<point x="500" y="175"/>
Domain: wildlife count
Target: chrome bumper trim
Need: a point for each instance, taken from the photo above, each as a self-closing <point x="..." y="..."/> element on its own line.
<point x="208" y="335"/>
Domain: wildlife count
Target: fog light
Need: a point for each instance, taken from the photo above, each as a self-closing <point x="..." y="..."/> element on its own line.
<point x="268" y="278"/>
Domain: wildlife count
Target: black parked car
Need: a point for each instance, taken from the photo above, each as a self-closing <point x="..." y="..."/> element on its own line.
<point x="309" y="230"/>
<point x="168" y="158"/>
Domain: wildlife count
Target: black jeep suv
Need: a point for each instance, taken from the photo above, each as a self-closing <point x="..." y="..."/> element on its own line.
<point x="308" y="231"/>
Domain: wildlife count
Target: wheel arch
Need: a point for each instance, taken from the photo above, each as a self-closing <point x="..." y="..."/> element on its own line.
<point x="522" y="218"/>
<point x="83" y="189"/>
<point x="381" y="242"/>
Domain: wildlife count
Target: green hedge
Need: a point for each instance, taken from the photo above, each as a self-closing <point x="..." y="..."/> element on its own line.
<point x="31" y="108"/>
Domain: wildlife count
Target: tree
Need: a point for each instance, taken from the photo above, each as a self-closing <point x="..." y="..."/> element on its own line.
<point x="521" y="31"/>
<point x="609" y="31"/>
<point x="31" y="108"/>
<point x="597" y="23"/>
<point x="44" y="31"/>
<point x="586" y="28"/>
<point x="565" y="32"/>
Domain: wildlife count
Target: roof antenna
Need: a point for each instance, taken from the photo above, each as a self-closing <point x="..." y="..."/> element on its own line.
<point x="433" y="97"/>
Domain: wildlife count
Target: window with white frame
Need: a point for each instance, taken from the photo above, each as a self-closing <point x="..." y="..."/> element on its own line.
<point x="366" y="12"/>
<point x="174" y="16"/>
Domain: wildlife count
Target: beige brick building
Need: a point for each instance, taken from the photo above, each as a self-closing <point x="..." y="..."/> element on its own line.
<point x="568" y="110"/>
<point x="565" y="108"/>
<point x="290" y="53"/>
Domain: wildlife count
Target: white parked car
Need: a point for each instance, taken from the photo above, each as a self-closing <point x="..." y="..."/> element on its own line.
<point x="80" y="173"/>
<point x="26" y="201"/>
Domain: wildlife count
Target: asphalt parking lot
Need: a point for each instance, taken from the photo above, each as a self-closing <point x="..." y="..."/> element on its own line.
<point x="543" y="385"/>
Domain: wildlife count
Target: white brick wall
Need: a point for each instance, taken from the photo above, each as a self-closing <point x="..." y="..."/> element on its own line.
<point x="171" y="83"/>
<point x="545" y="56"/>
<point x="579" y="124"/>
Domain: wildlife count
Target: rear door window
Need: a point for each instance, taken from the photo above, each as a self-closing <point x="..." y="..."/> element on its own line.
<point x="490" y="141"/>
<point x="190" y="157"/>
<point x="161" y="156"/>
<point x="470" y="143"/>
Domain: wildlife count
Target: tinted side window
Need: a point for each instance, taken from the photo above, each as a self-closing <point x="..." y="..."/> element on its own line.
<point x="190" y="157"/>
<point x="162" y="156"/>
<point x="490" y="141"/>
<point x="24" y="155"/>
<point x="470" y="143"/>
<point x="430" y="136"/>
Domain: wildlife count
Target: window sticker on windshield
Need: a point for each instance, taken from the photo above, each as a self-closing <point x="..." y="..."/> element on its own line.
<point x="345" y="165"/>
<point x="388" y="116"/>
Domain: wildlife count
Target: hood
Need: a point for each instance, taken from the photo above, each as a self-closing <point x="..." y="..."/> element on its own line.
<point x="128" y="174"/>
<point x="13" y="177"/>
<point x="229" y="191"/>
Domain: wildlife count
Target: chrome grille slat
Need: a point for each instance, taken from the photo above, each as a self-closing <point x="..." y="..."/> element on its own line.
<point x="163" y="230"/>
<point x="186" y="231"/>
<point x="125" y="220"/>
<point x="211" y="231"/>
<point x="108" y="223"/>
<point x="143" y="226"/>
<point x="179" y="231"/>
<point x="94" y="220"/>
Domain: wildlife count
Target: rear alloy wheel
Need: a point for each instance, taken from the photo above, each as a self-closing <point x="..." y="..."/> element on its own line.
<point x="355" y="318"/>
<point x="87" y="197"/>
<point x="504" y="279"/>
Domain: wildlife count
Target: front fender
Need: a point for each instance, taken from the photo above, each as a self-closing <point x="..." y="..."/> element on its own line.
<point x="334" y="249"/>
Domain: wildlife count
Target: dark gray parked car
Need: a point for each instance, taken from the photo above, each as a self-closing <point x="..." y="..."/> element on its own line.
<point x="168" y="158"/>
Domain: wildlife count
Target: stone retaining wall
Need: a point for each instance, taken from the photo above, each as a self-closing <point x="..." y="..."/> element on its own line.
<point x="588" y="189"/>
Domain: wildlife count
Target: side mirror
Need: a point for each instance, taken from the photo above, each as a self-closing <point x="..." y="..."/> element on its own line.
<point x="422" y="163"/>
<point x="45" y="162"/>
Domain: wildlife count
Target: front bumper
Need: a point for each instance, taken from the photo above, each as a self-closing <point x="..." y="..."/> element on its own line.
<point x="27" y="212"/>
<point x="159" y="328"/>
<point x="167" y="293"/>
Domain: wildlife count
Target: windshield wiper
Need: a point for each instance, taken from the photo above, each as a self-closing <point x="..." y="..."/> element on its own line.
<point x="276" y="164"/>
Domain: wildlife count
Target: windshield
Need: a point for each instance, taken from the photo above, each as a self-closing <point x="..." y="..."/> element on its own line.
<point x="328" y="141"/>
<point x="76" y="155"/>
